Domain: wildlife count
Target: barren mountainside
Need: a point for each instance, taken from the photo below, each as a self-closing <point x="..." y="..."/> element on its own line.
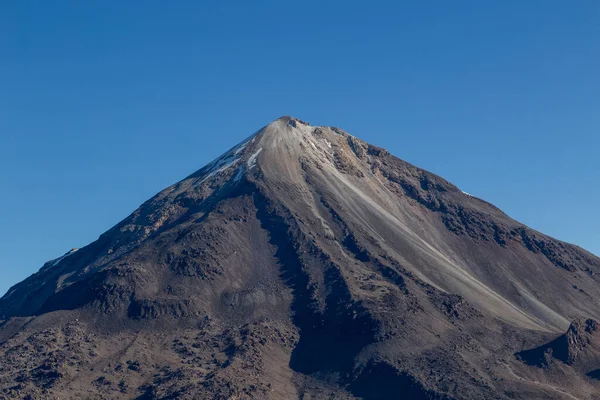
<point x="305" y="263"/>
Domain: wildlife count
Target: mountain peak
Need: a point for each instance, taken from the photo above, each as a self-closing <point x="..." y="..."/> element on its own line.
<point x="291" y="120"/>
<point x="282" y="125"/>
<point x="303" y="262"/>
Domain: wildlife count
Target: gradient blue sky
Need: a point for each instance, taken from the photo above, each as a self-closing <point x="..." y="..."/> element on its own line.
<point x="104" y="103"/>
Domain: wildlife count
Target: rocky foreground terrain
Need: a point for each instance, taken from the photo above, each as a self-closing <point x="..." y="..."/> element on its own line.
<point x="305" y="263"/>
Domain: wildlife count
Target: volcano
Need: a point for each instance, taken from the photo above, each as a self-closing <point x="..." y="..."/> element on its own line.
<point x="305" y="263"/>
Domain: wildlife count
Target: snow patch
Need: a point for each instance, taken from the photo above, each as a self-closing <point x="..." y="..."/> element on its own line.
<point x="227" y="160"/>
<point x="6" y="296"/>
<point x="58" y="260"/>
<point x="239" y="174"/>
<point x="221" y="166"/>
<point x="240" y="148"/>
<point x="468" y="194"/>
<point x="252" y="160"/>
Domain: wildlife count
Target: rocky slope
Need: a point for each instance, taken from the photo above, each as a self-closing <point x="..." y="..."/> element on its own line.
<point x="306" y="263"/>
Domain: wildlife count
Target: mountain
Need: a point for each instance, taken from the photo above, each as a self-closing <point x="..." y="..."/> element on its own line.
<point x="306" y="263"/>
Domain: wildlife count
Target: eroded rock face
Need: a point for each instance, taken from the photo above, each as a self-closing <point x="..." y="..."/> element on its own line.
<point x="581" y="333"/>
<point x="307" y="263"/>
<point x="581" y="339"/>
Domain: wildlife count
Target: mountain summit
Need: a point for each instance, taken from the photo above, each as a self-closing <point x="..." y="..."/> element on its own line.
<point x="307" y="263"/>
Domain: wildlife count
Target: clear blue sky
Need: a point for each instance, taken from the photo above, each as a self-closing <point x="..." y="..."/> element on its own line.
<point x="104" y="103"/>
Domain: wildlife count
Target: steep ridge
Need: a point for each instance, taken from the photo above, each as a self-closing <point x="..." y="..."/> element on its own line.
<point x="304" y="263"/>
